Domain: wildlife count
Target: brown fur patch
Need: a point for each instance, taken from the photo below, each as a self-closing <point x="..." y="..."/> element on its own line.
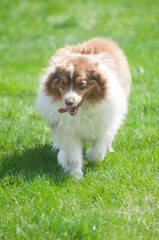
<point x="86" y="79"/>
<point x="98" y="89"/>
<point x="53" y="85"/>
<point x="103" y="45"/>
<point x="85" y="82"/>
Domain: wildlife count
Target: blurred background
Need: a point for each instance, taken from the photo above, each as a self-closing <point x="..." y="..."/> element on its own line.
<point x="30" y="31"/>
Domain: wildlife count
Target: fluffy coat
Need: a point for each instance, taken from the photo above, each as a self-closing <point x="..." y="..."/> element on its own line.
<point x="90" y="84"/>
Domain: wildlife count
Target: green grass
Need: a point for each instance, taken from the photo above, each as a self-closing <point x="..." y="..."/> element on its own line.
<point x="118" y="198"/>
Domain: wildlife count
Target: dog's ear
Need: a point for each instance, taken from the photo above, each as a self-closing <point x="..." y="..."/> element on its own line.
<point x="50" y="76"/>
<point x="51" y="84"/>
<point x="53" y="76"/>
<point x="52" y="72"/>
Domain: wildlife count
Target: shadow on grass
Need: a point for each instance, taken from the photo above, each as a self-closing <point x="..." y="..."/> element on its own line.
<point x="39" y="161"/>
<point x="30" y="163"/>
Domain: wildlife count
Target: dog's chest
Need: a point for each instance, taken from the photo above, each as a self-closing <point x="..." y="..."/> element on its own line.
<point x="89" y="123"/>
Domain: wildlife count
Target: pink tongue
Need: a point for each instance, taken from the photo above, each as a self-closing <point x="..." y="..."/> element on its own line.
<point x="66" y="109"/>
<point x="72" y="110"/>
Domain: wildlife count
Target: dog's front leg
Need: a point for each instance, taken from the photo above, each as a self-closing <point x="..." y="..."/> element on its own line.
<point x="99" y="147"/>
<point x="70" y="154"/>
<point x="97" y="153"/>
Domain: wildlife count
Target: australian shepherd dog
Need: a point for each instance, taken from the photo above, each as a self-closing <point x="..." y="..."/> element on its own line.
<point x="84" y="95"/>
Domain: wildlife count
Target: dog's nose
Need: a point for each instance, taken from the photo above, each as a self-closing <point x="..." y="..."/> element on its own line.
<point x="69" y="102"/>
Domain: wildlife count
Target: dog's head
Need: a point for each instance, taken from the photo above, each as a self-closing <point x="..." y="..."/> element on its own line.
<point x="74" y="79"/>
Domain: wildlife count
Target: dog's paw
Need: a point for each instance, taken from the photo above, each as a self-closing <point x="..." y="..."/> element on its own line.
<point x="77" y="173"/>
<point x="93" y="156"/>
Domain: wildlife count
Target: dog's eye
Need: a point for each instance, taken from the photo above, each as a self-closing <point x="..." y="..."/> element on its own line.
<point x="82" y="84"/>
<point x="63" y="82"/>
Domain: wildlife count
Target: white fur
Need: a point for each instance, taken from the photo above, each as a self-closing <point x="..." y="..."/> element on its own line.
<point x="97" y="124"/>
<point x="72" y="96"/>
<point x="71" y="71"/>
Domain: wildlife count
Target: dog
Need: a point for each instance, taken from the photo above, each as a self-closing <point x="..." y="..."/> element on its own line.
<point x="84" y="95"/>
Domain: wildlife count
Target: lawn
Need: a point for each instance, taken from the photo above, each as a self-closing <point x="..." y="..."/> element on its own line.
<point x="118" y="198"/>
